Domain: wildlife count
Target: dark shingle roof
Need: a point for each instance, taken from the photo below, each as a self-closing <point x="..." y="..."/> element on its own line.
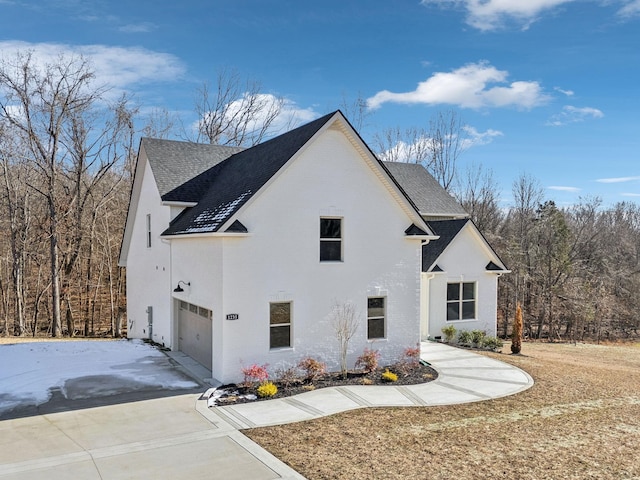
<point x="173" y="163"/>
<point x="424" y="190"/>
<point x="447" y="230"/>
<point x="232" y="182"/>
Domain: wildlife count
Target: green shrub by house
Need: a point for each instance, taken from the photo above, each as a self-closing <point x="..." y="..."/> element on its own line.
<point x="449" y="333"/>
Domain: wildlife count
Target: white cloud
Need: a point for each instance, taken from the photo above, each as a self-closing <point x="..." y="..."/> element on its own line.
<point x="564" y="189"/>
<point x="493" y="14"/>
<point x="290" y="115"/>
<point x="470" y="86"/>
<point x="568" y="93"/>
<point x="630" y="194"/>
<point x="408" y="152"/>
<point x="476" y="138"/>
<point x="618" y="179"/>
<point x="571" y="114"/>
<point x="118" y="67"/>
<point x="631" y="9"/>
<point x="144" y="27"/>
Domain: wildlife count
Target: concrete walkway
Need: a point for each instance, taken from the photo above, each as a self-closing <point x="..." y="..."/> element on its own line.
<point x="463" y="377"/>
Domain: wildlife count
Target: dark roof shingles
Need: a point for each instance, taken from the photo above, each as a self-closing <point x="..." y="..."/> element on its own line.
<point x="173" y="163"/>
<point x="447" y="230"/>
<point x="235" y="180"/>
<point x="424" y="190"/>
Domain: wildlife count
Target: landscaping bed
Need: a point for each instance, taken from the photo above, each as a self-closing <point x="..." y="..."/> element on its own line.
<point x="407" y="374"/>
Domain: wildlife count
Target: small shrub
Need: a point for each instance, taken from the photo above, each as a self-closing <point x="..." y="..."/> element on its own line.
<point x="267" y="389"/>
<point x="412" y="354"/>
<point x="368" y="361"/>
<point x="449" y="333"/>
<point x="287" y="376"/>
<point x="516" y="336"/>
<point x="477" y="336"/>
<point x="492" y="343"/>
<point x="255" y="373"/>
<point x="308" y="388"/>
<point x="409" y="362"/>
<point x="313" y="369"/>
<point x="464" y="337"/>
<point x="367" y="381"/>
<point x="388" y="376"/>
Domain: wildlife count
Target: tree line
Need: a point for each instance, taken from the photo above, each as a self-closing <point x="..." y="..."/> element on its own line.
<point x="67" y="153"/>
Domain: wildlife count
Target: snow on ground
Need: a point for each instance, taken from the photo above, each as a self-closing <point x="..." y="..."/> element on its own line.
<point x="81" y="369"/>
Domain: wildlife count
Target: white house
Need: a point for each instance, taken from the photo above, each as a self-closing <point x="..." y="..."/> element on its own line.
<point x="238" y="256"/>
<point x="460" y="270"/>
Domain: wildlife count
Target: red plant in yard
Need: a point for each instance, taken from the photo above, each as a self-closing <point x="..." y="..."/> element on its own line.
<point x="255" y="373"/>
<point x="313" y="368"/>
<point x="412" y="354"/>
<point x="368" y="361"/>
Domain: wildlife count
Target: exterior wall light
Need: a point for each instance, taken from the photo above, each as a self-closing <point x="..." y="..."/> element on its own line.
<point x="179" y="289"/>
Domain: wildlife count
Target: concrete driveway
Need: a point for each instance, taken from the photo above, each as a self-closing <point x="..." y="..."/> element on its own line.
<point x="164" y="438"/>
<point x="116" y="410"/>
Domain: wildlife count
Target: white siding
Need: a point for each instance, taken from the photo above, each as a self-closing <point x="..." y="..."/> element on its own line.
<point x="464" y="260"/>
<point x="199" y="261"/>
<point x="279" y="261"/>
<point x="148" y="269"/>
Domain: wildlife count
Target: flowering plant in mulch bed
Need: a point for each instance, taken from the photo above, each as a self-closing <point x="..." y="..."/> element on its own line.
<point x="292" y="381"/>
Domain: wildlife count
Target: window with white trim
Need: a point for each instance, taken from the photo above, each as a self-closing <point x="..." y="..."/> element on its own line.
<point x="376" y="313"/>
<point x="280" y="325"/>
<point x="461" y="301"/>
<point x="330" y="239"/>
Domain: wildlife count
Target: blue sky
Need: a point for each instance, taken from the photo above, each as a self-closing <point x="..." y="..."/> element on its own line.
<point x="550" y="87"/>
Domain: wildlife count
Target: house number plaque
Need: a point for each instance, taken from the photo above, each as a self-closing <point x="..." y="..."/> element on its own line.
<point x="232" y="316"/>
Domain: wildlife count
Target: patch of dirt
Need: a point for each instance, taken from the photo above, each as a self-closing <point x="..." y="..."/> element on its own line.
<point x="413" y="375"/>
<point x="581" y="420"/>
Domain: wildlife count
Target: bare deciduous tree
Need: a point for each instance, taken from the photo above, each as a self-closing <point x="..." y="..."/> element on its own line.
<point x="478" y="195"/>
<point x="356" y="112"/>
<point x="448" y="142"/>
<point x="16" y="205"/>
<point x="437" y="148"/>
<point x="344" y="321"/>
<point x="236" y="112"/>
<point x="60" y="118"/>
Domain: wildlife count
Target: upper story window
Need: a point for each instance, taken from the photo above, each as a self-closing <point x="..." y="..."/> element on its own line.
<point x="148" y="230"/>
<point x="330" y="239"/>
<point x="461" y="301"/>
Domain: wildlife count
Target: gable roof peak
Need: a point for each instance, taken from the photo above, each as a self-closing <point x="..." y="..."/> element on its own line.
<point x="235" y="180"/>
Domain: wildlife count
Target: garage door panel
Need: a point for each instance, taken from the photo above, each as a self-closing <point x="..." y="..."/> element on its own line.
<point x="195" y="333"/>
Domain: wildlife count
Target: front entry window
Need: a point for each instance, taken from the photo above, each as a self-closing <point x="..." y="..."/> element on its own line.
<point x="461" y="301"/>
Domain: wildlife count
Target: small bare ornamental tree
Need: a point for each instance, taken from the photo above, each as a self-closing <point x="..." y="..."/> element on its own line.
<point x="344" y="321"/>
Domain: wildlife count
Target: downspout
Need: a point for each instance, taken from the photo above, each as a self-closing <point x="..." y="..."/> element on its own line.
<point x="424" y="308"/>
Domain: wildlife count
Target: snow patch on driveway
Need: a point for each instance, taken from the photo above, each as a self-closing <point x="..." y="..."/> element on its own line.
<point x="29" y="372"/>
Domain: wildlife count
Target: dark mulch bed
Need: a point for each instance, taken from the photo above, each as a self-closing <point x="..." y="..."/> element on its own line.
<point x="233" y="394"/>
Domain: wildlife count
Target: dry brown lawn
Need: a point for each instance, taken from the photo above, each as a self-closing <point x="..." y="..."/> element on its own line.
<point x="581" y="420"/>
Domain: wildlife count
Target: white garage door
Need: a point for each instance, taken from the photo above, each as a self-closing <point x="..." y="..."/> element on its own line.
<point x="195" y="332"/>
